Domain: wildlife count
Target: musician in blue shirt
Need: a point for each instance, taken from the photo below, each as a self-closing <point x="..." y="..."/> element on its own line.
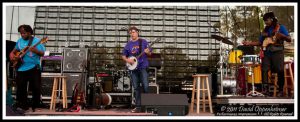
<point x="272" y="40"/>
<point x="134" y="47"/>
<point x="29" y="69"/>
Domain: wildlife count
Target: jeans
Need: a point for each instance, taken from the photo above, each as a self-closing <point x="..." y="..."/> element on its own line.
<point x="139" y="76"/>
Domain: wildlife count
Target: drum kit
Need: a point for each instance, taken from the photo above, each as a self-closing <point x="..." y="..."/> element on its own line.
<point x="119" y="80"/>
<point x="240" y="70"/>
<point x="122" y="81"/>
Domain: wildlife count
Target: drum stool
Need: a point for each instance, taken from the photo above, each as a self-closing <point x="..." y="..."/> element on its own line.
<point x="201" y="78"/>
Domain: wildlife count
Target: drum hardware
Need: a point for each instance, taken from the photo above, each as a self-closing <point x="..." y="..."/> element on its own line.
<point x="253" y="93"/>
<point x="222" y="64"/>
<point x="229" y="82"/>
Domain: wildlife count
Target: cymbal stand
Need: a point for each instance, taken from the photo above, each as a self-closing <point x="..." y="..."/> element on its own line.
<point x="226" y="68"/>
<point x="221" y="67"/>
<point x="253" y="93"/>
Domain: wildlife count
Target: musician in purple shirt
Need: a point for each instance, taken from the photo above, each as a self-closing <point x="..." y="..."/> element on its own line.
<point x="134" y="47"/>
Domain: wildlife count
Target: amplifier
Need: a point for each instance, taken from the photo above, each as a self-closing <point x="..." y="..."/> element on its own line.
<point x="51" y="64"/>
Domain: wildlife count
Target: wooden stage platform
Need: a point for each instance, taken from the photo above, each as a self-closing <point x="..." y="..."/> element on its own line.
<point x="121" y="112"/>
<point x="101" y="112"/>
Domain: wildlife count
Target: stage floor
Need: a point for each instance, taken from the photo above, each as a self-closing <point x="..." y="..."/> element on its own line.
<point x="126" y="111"/>
<point x="102" y="112"/>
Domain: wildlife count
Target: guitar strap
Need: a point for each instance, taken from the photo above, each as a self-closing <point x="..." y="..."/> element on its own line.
<point x="140" y="48"/>
<point x="276" y="30"/>
<point x="30" y="41"/>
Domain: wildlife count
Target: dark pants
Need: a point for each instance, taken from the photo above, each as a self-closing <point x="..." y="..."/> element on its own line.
<point x="34" y="77"/>
<point x="139" y="76"/>
<point x="275" y="63"/>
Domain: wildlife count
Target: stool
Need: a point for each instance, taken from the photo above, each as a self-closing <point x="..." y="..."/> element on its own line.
<point x="273" y="79"/>
<point x="201" y="78"/>
<point x="57" y="84"/>
<point x="285" y="87"/>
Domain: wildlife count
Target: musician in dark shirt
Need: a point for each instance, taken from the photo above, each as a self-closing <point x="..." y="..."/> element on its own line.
<point x="272" y="53"/>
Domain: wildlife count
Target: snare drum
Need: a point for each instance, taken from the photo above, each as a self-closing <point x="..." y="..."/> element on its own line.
<point x="234" y="56"/>
<point x="257" y="75"/>
<point x="251" y="59"/>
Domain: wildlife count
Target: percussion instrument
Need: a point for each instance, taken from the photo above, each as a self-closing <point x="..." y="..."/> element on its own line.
<point x="251" y="59"/>
<point x="235" y="56"/>
<point x="104" y="99"/>
<point x="257" y="75"/>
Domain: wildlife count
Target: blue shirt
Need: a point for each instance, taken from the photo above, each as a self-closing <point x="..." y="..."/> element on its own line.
<point x="281" y="30"/>
<point x="132" y="48"/>
<point x="30" y="59"/>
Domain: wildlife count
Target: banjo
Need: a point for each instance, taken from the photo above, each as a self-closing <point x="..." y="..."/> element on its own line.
<point x="134" y="65"/>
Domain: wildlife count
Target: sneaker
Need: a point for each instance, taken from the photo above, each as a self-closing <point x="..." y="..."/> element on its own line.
<point x="136" y="110"/>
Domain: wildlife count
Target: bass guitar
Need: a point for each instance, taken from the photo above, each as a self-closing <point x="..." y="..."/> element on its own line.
<point x="135" y="59"/>
<point x="272" y="40"/>
<point x="20" y="55"/>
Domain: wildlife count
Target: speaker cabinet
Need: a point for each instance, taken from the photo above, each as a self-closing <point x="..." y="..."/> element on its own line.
<point x="73" y="59"/>
<point x="47" y="84"/>
<point x="165" y="104"/>
<point x="72" y="79"/>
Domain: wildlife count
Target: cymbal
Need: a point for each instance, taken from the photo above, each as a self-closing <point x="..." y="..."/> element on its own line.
<point x="224" y="40"/>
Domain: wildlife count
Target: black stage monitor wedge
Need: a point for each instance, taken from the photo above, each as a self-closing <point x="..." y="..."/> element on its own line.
<point x="165" y="104"/>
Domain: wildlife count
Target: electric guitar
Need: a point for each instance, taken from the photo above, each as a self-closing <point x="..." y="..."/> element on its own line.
<point x="20" y="55"/>
<point x="78" y="97"/>
<point x="135" y="59"/>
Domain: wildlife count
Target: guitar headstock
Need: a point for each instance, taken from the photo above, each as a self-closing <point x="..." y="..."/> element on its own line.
<point x="44" y="40"/>
<point x="156" y="40"/>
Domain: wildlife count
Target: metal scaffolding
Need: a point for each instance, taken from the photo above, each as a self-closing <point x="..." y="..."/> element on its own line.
<point x="184" y="31"/>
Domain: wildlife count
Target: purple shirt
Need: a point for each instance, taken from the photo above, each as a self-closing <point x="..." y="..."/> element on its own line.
<point x="132" y="49"/>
